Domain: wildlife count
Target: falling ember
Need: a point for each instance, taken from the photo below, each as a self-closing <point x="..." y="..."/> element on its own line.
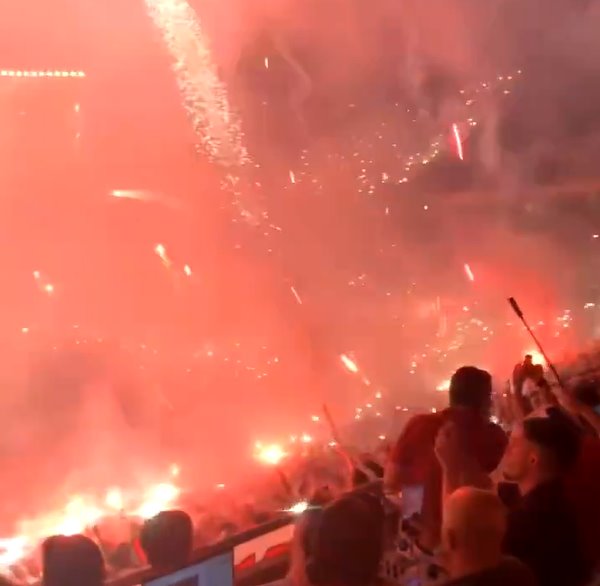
<point x="349" y="363"/>
<point x="295" y="293"/>
<point x="137" y="194"/>
<point x="272" y="454"/>
<point x="469" y="272"/>
<point x="187" y="270"/>
<point x="458" y="140"/>
<point x="37" y="275"/>
<point x="161" y="252"/>
<point x="266" y="63"/>
<point x="292" y="177"/>
<point x="49" y="289"/>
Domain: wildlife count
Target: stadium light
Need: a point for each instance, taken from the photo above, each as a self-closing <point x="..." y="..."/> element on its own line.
<point x="64" y="73"/>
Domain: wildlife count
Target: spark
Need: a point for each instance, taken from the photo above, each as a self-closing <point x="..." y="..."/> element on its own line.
<point x="295" y="293"/>
<point x="469" y="272"/>
<point x="187" y="270"/>
<point x="161" y="252"/>
<point x="292" y="177"/>
<point x="137" y="194"/>
<point x="298" y="508"/>
<point x="458" y="140"/>
<point x="266" y="63"/>
<point x="48" y="288"/>
<point x="349" y="363"/>
<point x="204" y="96"/>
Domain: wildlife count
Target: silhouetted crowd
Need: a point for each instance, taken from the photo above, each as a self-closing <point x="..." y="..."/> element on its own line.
<point x="501" y="487"/>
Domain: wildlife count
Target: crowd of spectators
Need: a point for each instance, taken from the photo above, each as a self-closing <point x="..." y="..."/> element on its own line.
<point x="499" y="487"/>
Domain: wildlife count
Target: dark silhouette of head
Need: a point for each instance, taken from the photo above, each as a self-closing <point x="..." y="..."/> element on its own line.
<point x="471" y="387"/>
<point x="528" y="359"/>
<point x="345" y="545"/>
<point x="72" y="561"/>
<point x="167" y="540"/>
<point x="542" y="448"/>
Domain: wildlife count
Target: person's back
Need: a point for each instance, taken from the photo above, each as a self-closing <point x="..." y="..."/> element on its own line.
<point x="474" y="526"/>
<point x="414" y="463"/>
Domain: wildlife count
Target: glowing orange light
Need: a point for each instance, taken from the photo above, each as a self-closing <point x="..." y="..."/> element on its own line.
<point x="536" y="356"/>
<point x="444" y="386"/>
<point x="298" y="508"/>
<point x="114" y="499"/>
<point x="271" y="454"/>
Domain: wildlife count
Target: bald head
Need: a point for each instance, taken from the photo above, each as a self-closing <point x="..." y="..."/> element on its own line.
<point x="474" y="522"/>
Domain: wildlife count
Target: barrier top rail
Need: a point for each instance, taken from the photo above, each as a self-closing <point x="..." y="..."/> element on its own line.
<point x="281" y="528"/>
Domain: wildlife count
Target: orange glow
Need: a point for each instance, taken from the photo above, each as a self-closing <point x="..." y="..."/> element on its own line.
<point x="537" y="357"/>
<point x="444" y="386"/>
<point x="271" y="454"/>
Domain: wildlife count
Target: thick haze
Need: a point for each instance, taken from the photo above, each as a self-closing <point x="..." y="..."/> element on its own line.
<point x="130" y="363"/>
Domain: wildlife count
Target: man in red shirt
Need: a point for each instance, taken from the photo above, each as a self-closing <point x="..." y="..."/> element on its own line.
<point x="413" y="463"/>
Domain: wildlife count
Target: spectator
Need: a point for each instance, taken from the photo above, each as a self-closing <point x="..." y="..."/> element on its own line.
<point x="538" y="394"/>
<point x="522" y="372"/>
<point x="413" y="462"/>
<point x="473" y="529"/>
<point x="583" y="484"/>
<point x="542" y="529"/>
<point x="303" y="531"/>
<point x="167" y="540"/>
<point x="345" y="546"/>
<point x="72" y="561"/>
<point x="583" y="402"/>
